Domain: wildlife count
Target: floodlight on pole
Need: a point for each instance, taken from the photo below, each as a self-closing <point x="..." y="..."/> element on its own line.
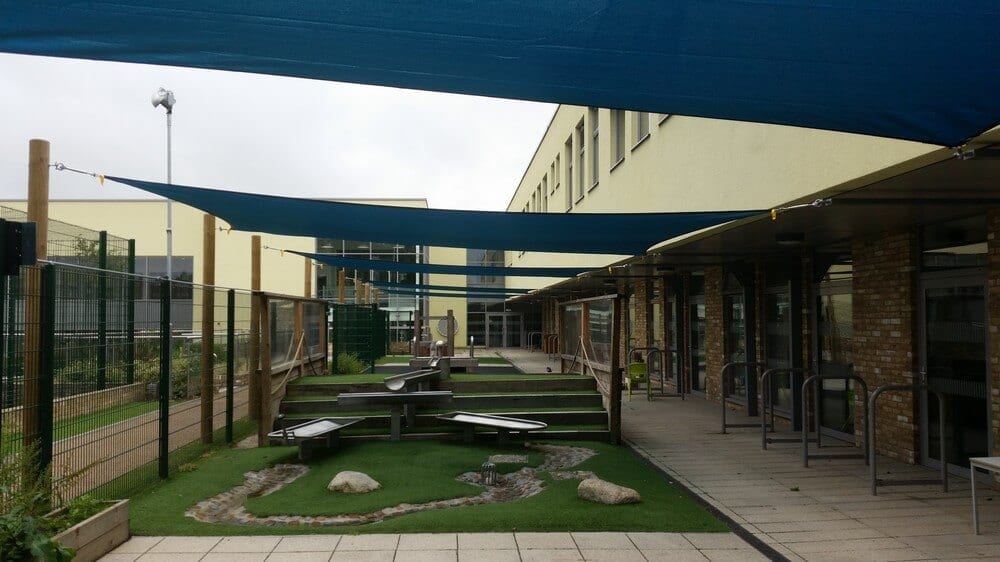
<point x="165" y="98"/>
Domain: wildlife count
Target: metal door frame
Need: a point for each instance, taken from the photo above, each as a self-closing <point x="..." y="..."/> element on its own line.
<point x="504" y="316"/>
<point x="938" y="280"/>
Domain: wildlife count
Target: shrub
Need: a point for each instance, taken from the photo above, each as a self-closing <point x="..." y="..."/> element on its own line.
<point x="348" y="364"/>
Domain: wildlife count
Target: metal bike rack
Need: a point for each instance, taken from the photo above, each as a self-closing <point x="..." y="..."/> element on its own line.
<point x="872" y="405"/>
<point x="765" y="401"/>
<point x="816" y="422"/>
<point x="650" y="352"/>
<point x="531" y="336"/>
<point x="722" y="376"/>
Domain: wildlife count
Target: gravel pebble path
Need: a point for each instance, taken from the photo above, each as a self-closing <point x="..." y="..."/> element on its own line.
<point x="228" y="507"/>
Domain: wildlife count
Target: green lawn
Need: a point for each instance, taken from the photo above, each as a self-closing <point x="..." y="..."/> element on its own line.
<point x="459" y="377"/>
<point x="487" y="360"/>
<point x="414" y="472"/>
<point x="87" y="422"/>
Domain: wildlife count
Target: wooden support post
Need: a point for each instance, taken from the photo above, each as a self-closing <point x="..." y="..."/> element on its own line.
<point x="615" y="400"/>
<point x="342" y="286"/>
<point x="308" y="285"/>
<point x="38" y="212"/>
<point x="450" y="327"/>
<point x="207" y="327"/>
<point x="417" y="328"/>
<point x="358" y="291"/>
<point x="298" y="329"/>
<point x="264" y="391"/>
<point x="254" y="350"/>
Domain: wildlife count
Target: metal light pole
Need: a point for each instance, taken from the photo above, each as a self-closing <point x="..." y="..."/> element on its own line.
<point x="165" y="98"/>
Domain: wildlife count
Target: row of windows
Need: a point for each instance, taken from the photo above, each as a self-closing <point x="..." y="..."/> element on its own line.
<point x="582" y="169"/>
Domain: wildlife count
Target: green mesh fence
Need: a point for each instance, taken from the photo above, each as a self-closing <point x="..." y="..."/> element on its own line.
<point x="360" y="331"/>
<point x="76" y="245"/>
<point x="83" y="378"/>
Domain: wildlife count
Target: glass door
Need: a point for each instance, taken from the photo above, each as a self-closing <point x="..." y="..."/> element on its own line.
<point x="697" y="343"/>
<point x="954" y="355"/>
<point x="494" y="330"/>
<point x="512" y="330"/>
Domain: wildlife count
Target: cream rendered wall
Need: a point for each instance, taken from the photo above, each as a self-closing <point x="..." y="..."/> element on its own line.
<point x="692" y="164"/>
<point x="439" y="306"/>
<point x="146" y="221"/>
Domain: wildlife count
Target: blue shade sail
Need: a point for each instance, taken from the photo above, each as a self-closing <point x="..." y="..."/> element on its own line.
<point x="585" y="233"/>
<point x="922" y="70"/>
<point x="424" y="286"/>
<point x="403" y="267"/>
<point x="496" y="293"/>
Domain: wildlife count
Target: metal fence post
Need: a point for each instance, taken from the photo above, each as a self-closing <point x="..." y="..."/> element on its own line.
<point x="102" y="310"/>
<point x="130" y="316"/>
<point x="230" y="359"/>
<point x="46" y="364"/>
<point x="164" y="386"/>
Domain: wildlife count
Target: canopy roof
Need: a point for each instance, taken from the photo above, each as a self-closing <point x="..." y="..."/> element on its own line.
<point x="496" y="293"/>
<point x="404" y="267"/>
<point x="921" y="70"/>
<point x="425" y="286"/>
<point x="591" y="233"/>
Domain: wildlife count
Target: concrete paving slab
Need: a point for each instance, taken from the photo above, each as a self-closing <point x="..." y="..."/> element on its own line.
<point x="486" y="541"/>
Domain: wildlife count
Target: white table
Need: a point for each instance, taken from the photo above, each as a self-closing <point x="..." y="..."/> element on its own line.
<point x="989" y="464"/>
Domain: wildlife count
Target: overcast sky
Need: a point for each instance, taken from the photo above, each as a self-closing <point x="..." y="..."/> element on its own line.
<point x="262" y="134"/>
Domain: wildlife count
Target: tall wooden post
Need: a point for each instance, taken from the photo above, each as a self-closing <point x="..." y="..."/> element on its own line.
<point x="358" y="291"/>
<point x="208" y="327"/>
<point x="450" y="326"/>
<point x="417" y="329"/>
<point x="307" y="286"/>
<point x="342" y="286"/>
<point x="255" y="354"/>
<point x="615" y="400"/>
<point x="298" y="329"/>
<point x="38" y="212"/>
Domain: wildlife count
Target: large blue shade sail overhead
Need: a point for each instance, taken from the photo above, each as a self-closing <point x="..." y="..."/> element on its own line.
<point x="497" y="293"/>
<point x="589" y="233"/>
<point x="404" y="267"/>
<point x="432" y="287"/>
<point x="922" y="70"/>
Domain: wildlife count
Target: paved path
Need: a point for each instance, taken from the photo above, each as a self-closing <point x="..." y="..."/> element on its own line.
<point x="825" y="512"/>
<point x="474" y="547"/>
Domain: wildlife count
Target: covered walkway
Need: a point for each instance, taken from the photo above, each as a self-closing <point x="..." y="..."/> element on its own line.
<point x="825" y="512"/>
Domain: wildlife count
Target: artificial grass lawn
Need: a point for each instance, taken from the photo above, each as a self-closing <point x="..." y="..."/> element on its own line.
<point x="414" y="472"/>
<point x="406" y="359"/>
<point x="83" y="423"/>
<point x="459" y="377"/>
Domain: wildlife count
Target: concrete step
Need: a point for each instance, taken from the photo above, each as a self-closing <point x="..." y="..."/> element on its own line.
<point x="472" y="402"/>
<point x="430" y="419"/>
<point x="486" y="386"/>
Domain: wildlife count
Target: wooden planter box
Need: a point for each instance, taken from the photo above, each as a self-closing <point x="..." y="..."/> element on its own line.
<point x="99" y="535"/>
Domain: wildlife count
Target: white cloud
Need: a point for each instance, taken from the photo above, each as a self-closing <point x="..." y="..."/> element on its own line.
<point x="262" y="134"/>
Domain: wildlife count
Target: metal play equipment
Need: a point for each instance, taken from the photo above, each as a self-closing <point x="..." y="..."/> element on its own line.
<point x="725" y="376"/>
<point x="810" y="383"/>
<point x="872" y="411"/>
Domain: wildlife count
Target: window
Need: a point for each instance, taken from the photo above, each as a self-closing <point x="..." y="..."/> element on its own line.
<point x="581" y="155"/>
<point x="555" y="174"/>
<point x="569" y="173"/>
<point x="539" y="193"/>
<point x="617" y="136"/>
<point x="594" y="153"/>
<point x="534" y="204"/>
<point x="543" y="194"/>
<point x="640" y="130"/>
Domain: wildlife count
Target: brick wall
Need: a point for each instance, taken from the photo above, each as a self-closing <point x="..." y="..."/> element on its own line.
<point x="641" y="313"/>
<point x="885" y="317"/>
<point x="715" y="340"/>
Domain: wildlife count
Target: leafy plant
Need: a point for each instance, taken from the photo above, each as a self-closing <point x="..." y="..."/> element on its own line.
<point x="24" y="499"/>
<point x="348" y="364"/>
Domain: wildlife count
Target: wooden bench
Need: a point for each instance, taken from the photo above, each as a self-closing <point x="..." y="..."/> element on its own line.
<point x="504" y="425"/>
<point x="324" y="431"/>
<point x="396" y="401"/>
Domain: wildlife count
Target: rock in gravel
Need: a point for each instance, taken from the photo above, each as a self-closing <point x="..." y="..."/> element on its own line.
<point x="351" y="482"/>
<point x="601" y="491"/>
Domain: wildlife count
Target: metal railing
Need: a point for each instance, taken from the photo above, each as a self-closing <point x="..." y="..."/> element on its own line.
<point x="810" y="383"/>
<point x="766" y="400"/>
<point x="872" y="411"/>
<point x="728" y="369"/>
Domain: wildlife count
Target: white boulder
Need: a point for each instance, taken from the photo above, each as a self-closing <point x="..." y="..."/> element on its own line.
<point x="601" y="491"/>
<point x="351" y="482"/>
